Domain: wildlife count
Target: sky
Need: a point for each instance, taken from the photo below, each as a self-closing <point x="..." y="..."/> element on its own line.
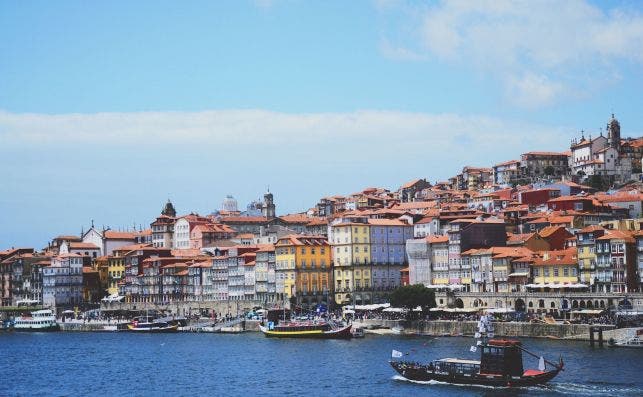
<point x="107" y="109"/>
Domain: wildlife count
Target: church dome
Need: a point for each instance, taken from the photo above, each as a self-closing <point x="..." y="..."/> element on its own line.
<point x="229" y="204"/>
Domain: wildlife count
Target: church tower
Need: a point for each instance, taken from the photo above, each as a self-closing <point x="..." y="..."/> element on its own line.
<point x="614" y="133"/>
<point x="268" y="207"/>
<point x="169" y="209"/>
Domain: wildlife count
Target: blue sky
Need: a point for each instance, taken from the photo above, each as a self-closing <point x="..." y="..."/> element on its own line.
<point x="107" y="109"/>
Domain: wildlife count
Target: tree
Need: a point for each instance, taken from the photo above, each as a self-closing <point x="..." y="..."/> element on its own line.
<point x="549" y="170"/>
<point x="412" y="296"/>
<point x="598" y="182"/>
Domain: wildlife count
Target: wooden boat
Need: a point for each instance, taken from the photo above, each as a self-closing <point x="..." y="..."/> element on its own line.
<point x="500" y="365"/>
<point x="307" y="329"/>
<point x="149" y="325"/>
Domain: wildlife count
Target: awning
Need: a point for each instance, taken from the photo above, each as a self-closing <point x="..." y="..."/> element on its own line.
<point x="500" y="310"/>
<point x="587" y="311"/>
<point x="519" y="274"/>
<point x="455" y="309"/>
<point x="394" y="310"/>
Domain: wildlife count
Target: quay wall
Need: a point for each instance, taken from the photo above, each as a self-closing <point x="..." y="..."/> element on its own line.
<point x="468" y="328"/>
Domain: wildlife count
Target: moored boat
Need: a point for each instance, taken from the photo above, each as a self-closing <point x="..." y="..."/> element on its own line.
<point x="632" y="341"/>
<point x="307" y="329"/>
<point x="149" y="325"/>
<point x="39" y="321"/>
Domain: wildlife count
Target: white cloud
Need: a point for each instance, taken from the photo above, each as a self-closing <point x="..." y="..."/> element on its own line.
<point x="370" y="131"/>
<point x="521" y="42"/>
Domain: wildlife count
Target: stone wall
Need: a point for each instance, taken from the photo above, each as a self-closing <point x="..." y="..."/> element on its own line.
<point x="186" y="308"/>
<point x="468" y="328"/>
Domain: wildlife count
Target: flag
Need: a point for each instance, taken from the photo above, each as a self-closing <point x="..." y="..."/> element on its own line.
<point x="473" y="349"/>
<point x="396" y="354"/>
<point x="477" y="335"/>
<point x="479" y="343"/>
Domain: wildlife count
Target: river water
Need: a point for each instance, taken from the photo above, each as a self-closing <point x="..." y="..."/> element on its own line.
<point x="111" y="364"/>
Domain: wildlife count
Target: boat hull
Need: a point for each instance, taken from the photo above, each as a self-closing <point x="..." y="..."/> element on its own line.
<point x="51" y="328"/>
<point x="153" y="330"/>
<point x="420" y="373"/>
<point x="342" y="333"/>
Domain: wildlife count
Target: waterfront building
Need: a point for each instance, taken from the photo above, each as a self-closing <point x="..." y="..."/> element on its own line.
<point x="388" y="255"/>
<point x="439" y="259"/>
<point x="130" y="267"/>
<point x="195" y="232"/>
<point x="249" y="275"/>
<point x="304" y="264"/>
<point x="220" y="277"/>
<point x="639" y="258"/>
<point x="351" y="258"/>
<point x="556" y="267"/>
<point x="174" y="281"/>
<point x="115" y="273"/>
<point x="200" y="283"/>
<point x="265" y="274"/>
<point x="62" y="281"/>
<point x="586" y="248"/>
<point x="616" y="262"/>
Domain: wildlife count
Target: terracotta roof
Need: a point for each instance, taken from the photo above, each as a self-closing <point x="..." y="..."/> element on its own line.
<point x="557" y="257"/>
<point x="617" y="235"/>
<point x="592" y="228"/>
<point x="114" y="235"/>
<point x="411" y="183"/>
<point x="387" y="222"/>
<point x="300" y="240"/>
<point x="244" y="219"/>
<point x="437" y="239"/>
<point x="295" y="218"/>
<point x="549" y="230"/>
<point x="83" y="246"/>
<point x="546" y="153"/>
<point x="245" y="235"/>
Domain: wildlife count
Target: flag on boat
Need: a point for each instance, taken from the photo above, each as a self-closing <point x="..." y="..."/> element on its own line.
<point x="473" y="349"/>
<point x="541" y="364"/>
<point x="396" y="354"/>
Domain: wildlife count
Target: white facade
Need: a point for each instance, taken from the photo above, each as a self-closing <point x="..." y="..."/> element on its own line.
<point x="419" y="254"/>
<point x="426" y="228"/>
<point x="181" y="234"/>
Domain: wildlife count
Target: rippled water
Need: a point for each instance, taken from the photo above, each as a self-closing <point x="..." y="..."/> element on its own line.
<point x="211" y="364"/>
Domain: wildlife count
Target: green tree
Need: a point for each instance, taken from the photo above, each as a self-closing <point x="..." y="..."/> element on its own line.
<point x="549" y="170"/>
<point x="412" y="296"/>
<point x="598" y="182"/>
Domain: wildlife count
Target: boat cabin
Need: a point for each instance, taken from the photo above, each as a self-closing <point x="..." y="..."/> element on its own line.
<point x="501" y="357"/>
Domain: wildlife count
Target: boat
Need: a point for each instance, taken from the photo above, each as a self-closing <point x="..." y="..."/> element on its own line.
<point x="145" y="324"/>
<point x="632" y="341"/>
<point x="397" y="330"/>
<point x="39" y="321"/>
<point x="357" y="332"/>
<point x="500" y="365"/>
<point x="307" y="329"/>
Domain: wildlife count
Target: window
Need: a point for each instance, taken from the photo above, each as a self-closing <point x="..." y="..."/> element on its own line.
<point x="555" y="272"/>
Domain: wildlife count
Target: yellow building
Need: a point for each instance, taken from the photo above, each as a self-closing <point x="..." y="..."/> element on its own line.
<point x="556" y="267"/>
<point x="115" y="273"/>
<point x="439" y="259"/>
<point x="352" y="261"/>
<point x="305" y="263"/>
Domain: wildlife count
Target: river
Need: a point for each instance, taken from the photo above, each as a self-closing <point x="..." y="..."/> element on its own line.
<point x="111" y="364"/>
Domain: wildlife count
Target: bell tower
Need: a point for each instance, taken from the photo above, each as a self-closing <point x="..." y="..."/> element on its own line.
<point x="268" y="207"/>
<point x="614" y="133"/>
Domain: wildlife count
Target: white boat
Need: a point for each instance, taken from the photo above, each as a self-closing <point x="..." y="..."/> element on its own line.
<point x="633" y="342"/>
<point x="40" y="321"/>
<point x="357" y="332"/>
<point x="397" y="330"/>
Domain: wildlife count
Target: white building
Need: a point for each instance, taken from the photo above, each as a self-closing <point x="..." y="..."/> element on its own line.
<point x="108" y="240"/>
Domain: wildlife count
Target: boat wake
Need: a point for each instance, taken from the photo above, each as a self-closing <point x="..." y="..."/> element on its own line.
<point x="596" y="389"/>
<point x="436" y="382"/>
<point x="574" y="389"/>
